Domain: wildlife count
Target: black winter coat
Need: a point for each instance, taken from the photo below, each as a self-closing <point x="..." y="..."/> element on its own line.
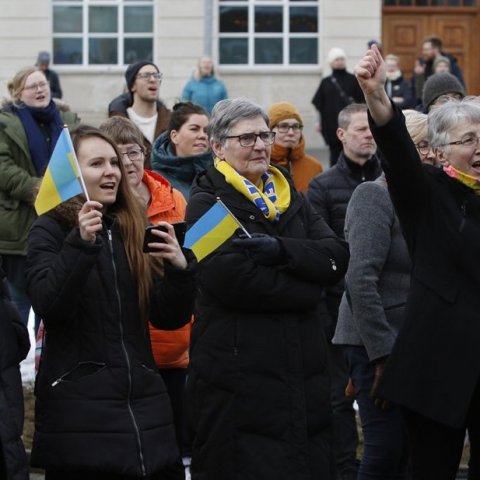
<point x="14" y="347"/>
<point x="328" y="101"/>
<point x="258" y="388"/>
<point x="100" y="402"/>
<point x="434" y="367"/>
<point x="329" y="194"/>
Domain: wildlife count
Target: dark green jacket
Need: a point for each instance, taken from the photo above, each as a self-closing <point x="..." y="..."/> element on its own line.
<point x="18" y="182"/>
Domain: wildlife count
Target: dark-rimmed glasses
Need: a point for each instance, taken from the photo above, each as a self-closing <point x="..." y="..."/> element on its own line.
<point x="285" y="127"/>
<point x="157" y="76"/>
<point x="134" y="155"/>
<point x="249" y="139"/>
<point x="468" y="141"/>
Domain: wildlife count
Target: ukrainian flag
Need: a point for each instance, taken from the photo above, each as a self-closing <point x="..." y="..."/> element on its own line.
<point x="210" y="231"/>
<point x="60" y="182"/>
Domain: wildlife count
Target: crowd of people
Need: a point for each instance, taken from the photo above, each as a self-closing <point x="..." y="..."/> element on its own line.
<point x="353" y="282"/>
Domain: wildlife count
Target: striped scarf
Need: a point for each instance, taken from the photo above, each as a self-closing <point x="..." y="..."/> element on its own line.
<point x="274" y="197"/>
<point x="462" y="177"/>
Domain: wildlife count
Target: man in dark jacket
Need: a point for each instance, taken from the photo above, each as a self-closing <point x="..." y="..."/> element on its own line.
<point x="43" y="63"/>
<point x="334" y="93"/>
<point x="14" y="347"/>
<point x="329" y="194"/>
<point x="141" y="104"/>
<point x="431" y="50"/>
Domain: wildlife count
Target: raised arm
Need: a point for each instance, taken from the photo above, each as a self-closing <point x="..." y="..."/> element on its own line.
<point x="371" y="75"/>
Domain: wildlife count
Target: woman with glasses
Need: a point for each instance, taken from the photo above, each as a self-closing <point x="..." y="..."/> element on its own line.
<point x="30" y="125"/>
<point x="372" y="310"/>
<point x="162" y="203"/>
<point x="417" y="126"/>
<point x="182" y="150"/>
<point x="258" y="388"/>
<point x="433" y="371"/>
<point x="289" y="147"/>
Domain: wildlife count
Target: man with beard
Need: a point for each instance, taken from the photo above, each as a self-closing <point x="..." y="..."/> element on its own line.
<point x="141" y="103"/>
<point x="329" y="194"/>
<point x="424" y="66"/>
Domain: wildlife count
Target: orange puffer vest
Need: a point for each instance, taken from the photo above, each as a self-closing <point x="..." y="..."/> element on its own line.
<point x="170" y="348"/>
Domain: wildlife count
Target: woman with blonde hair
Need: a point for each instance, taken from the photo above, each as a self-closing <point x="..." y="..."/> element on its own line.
<point x="102" y="409"/>
<point x="30" y="125"/>
<point x="204" y="88"/>
<point x="417" y="126"/>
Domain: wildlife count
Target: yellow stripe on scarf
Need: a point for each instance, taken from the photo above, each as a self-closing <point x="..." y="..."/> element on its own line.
<point x="282" y="188"/>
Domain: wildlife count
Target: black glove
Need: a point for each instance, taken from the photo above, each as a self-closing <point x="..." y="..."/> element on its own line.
<point x="263" y="249"/>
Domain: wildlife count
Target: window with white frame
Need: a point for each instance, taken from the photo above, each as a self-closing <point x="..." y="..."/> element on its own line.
<point x="102" y="32"/>
<point x="268" y="32"/>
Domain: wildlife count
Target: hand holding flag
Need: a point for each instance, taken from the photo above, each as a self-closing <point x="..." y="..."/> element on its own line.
<point x="62" y="179"/>
<point x="212" y="230"/>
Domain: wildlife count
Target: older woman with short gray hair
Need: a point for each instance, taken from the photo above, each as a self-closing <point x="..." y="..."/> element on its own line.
<point x="433" y="371"/>
<point x="258" y="387"/>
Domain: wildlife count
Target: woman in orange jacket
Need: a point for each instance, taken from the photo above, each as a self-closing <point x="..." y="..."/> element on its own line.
<point x="162" y="203"/>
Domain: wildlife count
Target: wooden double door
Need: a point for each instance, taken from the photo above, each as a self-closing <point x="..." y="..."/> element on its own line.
<point x="405" y="27"/>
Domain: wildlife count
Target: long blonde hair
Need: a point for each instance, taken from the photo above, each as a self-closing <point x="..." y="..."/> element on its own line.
<point x="132" y="220"/>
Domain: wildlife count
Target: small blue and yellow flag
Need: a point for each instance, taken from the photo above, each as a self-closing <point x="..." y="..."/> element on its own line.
<point x="211" y="230"/>
<point x="61" y="180"/>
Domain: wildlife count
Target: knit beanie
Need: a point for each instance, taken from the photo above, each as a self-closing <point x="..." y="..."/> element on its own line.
<point x="281" y="111"/>
<point x="334" y="54"/>
<point x="132" y="71"/>
<point x="440" y="84"/>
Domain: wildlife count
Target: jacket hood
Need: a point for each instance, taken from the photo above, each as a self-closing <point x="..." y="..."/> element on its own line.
<point x="170" y="165"/>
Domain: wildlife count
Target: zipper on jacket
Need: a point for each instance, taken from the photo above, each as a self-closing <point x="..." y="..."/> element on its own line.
<point x="127" y="359"/>
<point x="334" y="265"/>
<point x="463" y="208"/>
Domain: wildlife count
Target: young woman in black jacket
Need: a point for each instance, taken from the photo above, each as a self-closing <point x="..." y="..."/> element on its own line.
<point x="102" y="410"/>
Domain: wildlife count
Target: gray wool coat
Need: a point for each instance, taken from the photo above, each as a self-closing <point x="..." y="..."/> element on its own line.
<point x="378" y="276"/>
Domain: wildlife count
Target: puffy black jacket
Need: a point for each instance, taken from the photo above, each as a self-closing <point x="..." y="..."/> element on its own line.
<point x="14" y="346"/>
<point x="329" y="194"/>
<point x="101" y="404"/>
<point x="258" y="388"/>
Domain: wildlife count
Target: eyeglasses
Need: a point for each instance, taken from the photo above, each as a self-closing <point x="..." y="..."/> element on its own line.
<point x="157" y="76"/>
<point x="35" y="86"/>
<point x="285" y="127"/>
<point x="423" y="147"/>
<point x="249" y="139"/>
<point x="469" y="142"/>
<point x="134" y="155"/>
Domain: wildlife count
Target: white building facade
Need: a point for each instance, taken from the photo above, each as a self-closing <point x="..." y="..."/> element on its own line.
<point x="267" y="50"/>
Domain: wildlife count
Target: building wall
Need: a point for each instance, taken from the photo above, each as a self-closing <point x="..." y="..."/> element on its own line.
<point x="181" y="38"/>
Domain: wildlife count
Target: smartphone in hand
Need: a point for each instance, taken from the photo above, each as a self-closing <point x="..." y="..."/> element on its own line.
<point x="180" y="230"/>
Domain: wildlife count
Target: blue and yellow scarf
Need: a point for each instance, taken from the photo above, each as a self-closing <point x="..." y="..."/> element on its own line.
<point x="272" y="199"/>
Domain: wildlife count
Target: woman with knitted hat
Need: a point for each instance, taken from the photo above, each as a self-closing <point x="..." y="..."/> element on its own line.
<point x="288" y="149"/>
<point x="334" y="93"/>
<point x="258" y="384"/>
